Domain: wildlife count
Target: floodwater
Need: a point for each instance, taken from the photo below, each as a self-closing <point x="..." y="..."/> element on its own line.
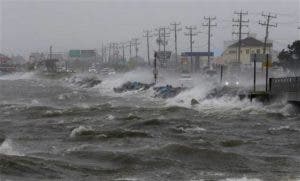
<point x="71" y="129"/>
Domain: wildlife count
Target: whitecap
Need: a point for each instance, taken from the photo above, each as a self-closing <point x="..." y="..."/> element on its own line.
<point x="79" y="130"/>
<point x="8" y="148"/>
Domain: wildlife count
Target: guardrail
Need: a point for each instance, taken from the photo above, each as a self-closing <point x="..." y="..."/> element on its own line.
<point x="284" y="85"/>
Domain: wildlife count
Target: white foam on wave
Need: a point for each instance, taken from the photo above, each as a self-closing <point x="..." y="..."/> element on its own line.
<point x="18" y="76"/>
<point x="227" y="103"/>
<point x="8" y="148"/>
<point x="140" y="75"/>
<point x="242" y="179"/>
<point x="79" y="130"/>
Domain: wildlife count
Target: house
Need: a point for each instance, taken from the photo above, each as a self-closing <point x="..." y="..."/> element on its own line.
<point x="249" y="46"/>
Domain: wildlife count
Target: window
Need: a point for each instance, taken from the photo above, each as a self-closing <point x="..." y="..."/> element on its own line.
<point x="232" y="51"/>
<point x="247" y="51"/>
<point x="258" y="51"/>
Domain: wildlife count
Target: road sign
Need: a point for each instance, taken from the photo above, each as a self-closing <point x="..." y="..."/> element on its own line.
<point x="74" y="53"/>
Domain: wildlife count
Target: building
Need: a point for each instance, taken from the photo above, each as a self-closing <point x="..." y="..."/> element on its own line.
<point x="195" y="61"/>
<point x="249" y="46"/>
<point x="4" y="59"/>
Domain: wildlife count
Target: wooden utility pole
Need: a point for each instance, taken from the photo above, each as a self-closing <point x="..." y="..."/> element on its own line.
<point x="135" y="44"/>
<point x="130" y="46"/>
<point x="148" y="35"/>
<point x="267" y="24"/>
<point x="155" y="72"/>
<point x="158" y="40"/>
<point x="123" y="45"/>
<point x="109" y="52"/>
<point x="191" y="33"/>
<point x="50" y="53"/>
<point x="209" y="25"/>
<point x="165" y="34"/>
<point x="240" y="23"/>
<point x="175" y="29"/>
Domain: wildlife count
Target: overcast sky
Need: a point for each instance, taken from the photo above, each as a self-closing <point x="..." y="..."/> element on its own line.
<point x="33" y="25"/>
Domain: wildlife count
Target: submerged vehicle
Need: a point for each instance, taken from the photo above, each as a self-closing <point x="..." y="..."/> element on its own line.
<point x="168" y="91"/>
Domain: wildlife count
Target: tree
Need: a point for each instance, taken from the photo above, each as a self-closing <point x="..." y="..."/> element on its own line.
<point x="290" y="58"/>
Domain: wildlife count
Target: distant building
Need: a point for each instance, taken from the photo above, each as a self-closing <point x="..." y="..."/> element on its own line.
<point x="4" y="59"/>
<point x="249" y="46"/>
<point x="36" y="57"/>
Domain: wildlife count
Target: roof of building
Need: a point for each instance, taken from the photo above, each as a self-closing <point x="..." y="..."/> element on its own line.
<point x="250" y="42"/>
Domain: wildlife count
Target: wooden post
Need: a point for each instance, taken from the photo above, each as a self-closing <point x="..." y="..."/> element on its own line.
<point x="155" y="68"/>
<point x="221" y="77"/>
<point x="267" y="72"/>
<point x="254" y="73"/>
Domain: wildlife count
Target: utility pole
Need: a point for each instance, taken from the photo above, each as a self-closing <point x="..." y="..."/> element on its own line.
<point x="115" y="51"/>
<point x="190" y="33"/>
<point x="109" y="52"/>
<point x="240" y="24"/>
<point x="129" y="45"/>
<point x="209" y="25"/>
<point x="135" y="43"/>
<point x="165" y="42"/>
<point x="50" y="53"/>
<point x="102" y="53"/>
<point x="175" y="29"/>
<point x="158" y="40"/>
<point x="267" y="24"/>
<point x="123" y="51"/>
<point x="105" y="53"/>
<point x="147" y="35"/>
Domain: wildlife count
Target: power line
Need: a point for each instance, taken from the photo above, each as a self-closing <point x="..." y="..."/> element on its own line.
<point x="175" y="29"/>
<point x="240" y="23"/>
<point x="209" y="25"/>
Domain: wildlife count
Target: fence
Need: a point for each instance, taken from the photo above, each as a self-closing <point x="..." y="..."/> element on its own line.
<point x="284" y="85"/>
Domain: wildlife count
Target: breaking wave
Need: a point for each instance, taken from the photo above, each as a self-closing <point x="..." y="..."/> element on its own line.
<point x="18" y="76"/>
<point x="84" y="80"/>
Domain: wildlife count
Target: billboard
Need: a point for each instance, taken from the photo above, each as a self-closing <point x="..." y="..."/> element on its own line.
<point x="88" y="53"/>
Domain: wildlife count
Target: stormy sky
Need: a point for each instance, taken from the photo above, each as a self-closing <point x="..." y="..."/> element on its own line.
<point x="33" y="25"/>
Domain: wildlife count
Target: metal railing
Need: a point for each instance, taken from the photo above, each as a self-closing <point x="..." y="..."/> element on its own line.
<point x="285" y="84"/>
